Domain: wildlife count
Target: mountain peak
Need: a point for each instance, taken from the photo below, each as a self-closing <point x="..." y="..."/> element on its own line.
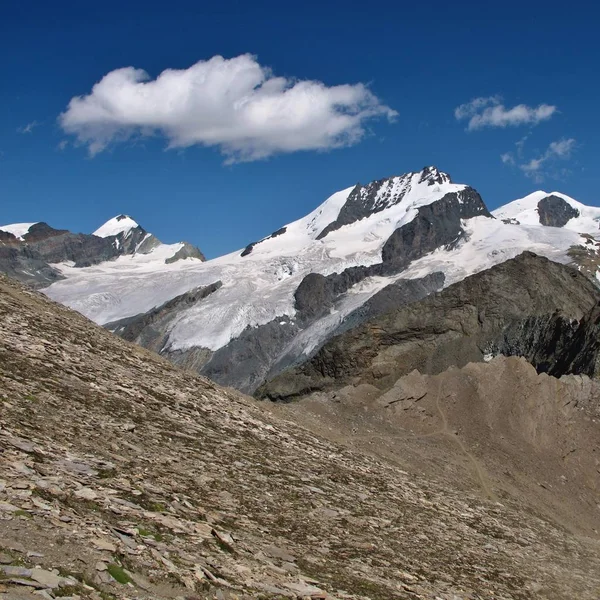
<point x="116" y="225"/>
<point x="432" y="175"/>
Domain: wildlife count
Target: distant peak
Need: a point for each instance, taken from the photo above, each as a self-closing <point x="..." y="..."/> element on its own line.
<point x="116" y="225"/>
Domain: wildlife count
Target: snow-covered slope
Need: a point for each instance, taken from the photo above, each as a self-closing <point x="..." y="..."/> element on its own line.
<point x="257" y="287"/>
<point x="17" y="229"/>
<point x="526" y="211"/>
<point x="349" y="234"/>
<point x="115" y="226"/>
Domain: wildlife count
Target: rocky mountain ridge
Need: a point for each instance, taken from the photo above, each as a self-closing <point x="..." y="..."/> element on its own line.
<point x="34" y="255"/>
<point x="527" y="306"/>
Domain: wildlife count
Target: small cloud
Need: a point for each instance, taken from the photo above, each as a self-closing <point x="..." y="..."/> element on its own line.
<point x="28" y="128"/>
<point x="521" y="145"/>
<point x="62" y="145"/>
<point x="562" y="148"/>
<point x="236" y="105"/>
<point x="490" y="112"/>
<point x="544" y="165"/>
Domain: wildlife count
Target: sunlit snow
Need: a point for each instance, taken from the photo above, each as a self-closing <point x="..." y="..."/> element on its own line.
<point x="260" y="286"/>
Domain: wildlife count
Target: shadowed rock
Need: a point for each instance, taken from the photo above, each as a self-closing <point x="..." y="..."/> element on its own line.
<point x="555" y="212"/>
<point x="461" y="324"/>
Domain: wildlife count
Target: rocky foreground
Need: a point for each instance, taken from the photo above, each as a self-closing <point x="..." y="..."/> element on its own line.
<point x="124" y="477"/>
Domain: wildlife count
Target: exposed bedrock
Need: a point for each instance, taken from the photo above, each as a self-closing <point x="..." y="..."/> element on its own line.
<point x="555" y="212"/>
<point x="498" y="310"/>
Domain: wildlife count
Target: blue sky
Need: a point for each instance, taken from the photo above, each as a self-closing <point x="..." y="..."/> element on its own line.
<point x="222" y="188"/>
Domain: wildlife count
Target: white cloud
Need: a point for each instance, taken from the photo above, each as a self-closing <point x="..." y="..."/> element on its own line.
<point x="490" y="112"/>
<point x="235" y="104"/>
<point x="541" y="167"/>
<point x="561" y="148"/>
<point x="28" y="128"/>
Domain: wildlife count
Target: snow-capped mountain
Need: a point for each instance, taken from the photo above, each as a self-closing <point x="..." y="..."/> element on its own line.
<point x="119" y="224"/>
<point x="36" y="253"/>
<point x="245" y="316"/>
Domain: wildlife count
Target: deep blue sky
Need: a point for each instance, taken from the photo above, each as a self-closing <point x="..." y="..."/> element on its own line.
<point x="422" y="61"/>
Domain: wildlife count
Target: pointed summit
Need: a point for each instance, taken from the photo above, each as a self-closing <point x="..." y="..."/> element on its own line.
<point x="116" y="225"/>
<point x="432" y="175"/>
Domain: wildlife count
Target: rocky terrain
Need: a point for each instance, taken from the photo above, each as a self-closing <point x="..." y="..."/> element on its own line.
<point x="124" y="477"/>
<point x="528" y="306"/>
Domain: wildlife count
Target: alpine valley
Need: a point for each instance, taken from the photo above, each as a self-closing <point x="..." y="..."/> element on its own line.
<point x="244" y="318"/>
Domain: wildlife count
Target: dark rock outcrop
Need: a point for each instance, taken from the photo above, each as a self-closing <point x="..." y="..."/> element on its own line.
<point x="555" y="212"/>
<point x="555" y="344"/>
<point x="30" y="259"/>
<point x="391" y="297"/>
<point x="461" y="324"/>
<point x="436" y="225"/>
<point x="187" y="251"/>
<point x="21" y="262"/>
<point x="248" y="249"/>
<point x="245" y="361"/>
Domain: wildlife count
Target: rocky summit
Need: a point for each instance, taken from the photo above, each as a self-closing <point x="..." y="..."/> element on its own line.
<point x="124" y="477"/>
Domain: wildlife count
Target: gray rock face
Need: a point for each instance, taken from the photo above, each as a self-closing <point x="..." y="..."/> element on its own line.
<point x="56" y="246"/>
<point x="555" y="212"/>
<point x="461" y="324"/>
<point x="391" y="297"/>
<point x="246" y="360"/>
<point x="555" y="344"/>
<point x="26" y="265"/>
<point x="188" y="251"/>
<point x="436" y="225"/>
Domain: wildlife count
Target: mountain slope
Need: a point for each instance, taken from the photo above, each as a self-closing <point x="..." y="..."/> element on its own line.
<point x="115" y="464"/>
<point x="528" y="306"/>
<point x="274" y="303"/>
